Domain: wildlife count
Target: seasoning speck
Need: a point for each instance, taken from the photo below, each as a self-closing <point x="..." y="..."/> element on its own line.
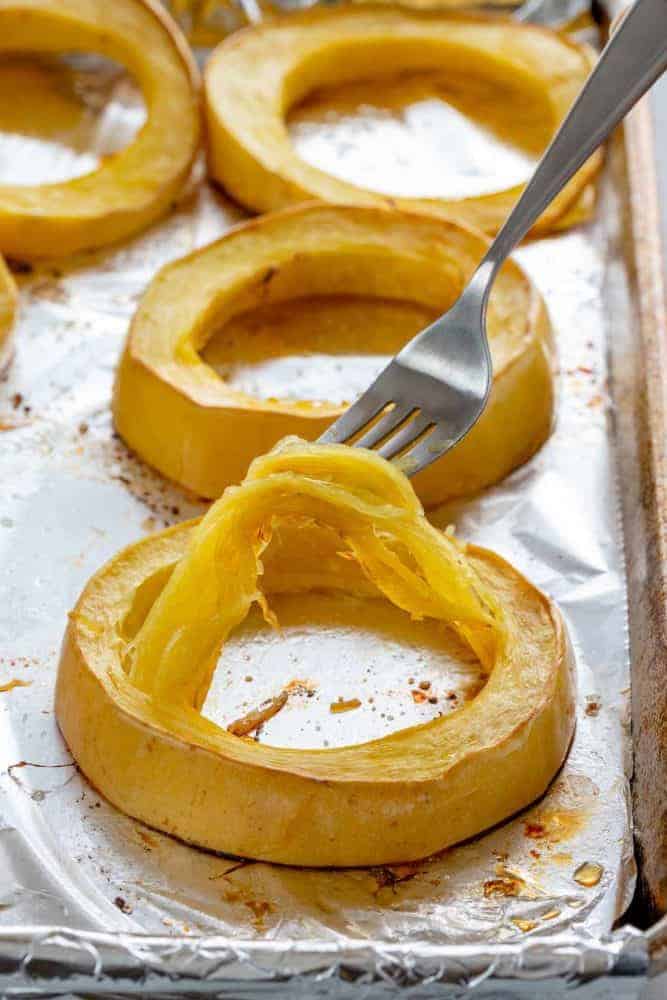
<point x="592" y="705"/>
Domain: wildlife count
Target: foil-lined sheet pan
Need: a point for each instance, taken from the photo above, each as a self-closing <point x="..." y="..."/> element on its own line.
<point x="72" y="495"/>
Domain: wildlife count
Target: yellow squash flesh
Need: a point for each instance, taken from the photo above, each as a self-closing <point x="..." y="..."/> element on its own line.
<point x="256" y="76"/>
<point x="134" y="187"/>
<point x="143" y="641"/>
<point x="178" y="414"/>
<point x="8" y="299"/>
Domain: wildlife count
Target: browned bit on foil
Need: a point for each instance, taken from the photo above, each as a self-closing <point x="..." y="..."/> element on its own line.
<point x="253" y="720"/>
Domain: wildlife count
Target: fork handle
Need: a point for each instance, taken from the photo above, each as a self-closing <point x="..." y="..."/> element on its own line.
<point x="633" y="59"/>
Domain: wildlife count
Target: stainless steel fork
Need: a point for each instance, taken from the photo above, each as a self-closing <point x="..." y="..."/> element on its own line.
<point x="435" y="389"/>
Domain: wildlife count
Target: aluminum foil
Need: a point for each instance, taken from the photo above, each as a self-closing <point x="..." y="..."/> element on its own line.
<point x="81" y="884"/>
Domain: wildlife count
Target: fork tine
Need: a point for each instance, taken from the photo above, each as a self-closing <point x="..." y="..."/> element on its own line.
<point x="384" y="426"/>
<point x="428" y="450"/>
<point x="354" y="419"/>
<point x="406" y="435"/>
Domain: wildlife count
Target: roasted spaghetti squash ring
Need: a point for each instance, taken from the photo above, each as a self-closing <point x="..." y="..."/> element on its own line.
<point x="8" y="299"/>
<point x="135" y="186"/>
<point x="256" y="76"/>
<point x="175" y="410"/>
<point x="143" y="640"/>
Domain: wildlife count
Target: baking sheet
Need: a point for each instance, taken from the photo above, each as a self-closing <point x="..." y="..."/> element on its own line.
<point x="72" y="495"/>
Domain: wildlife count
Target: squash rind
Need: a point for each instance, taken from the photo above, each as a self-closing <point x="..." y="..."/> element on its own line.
<point x="136" y="186"/>
<point x="394" y="799"/>
<point x="184" y="420"/>
<point x="253" y="78"/>
<point x="8" y="306"/>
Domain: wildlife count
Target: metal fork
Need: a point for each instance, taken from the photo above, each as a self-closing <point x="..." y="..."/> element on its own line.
<point x="435" y="389"/>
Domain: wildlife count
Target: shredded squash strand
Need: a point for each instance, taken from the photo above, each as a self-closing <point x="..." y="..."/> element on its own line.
<point x="380" y="522"/>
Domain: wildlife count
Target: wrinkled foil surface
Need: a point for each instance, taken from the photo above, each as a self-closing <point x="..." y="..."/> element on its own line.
<point x="81" y="883"/>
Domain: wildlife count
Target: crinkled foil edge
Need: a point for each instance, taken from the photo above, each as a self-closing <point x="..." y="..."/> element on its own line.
<point x="53" y="960"/>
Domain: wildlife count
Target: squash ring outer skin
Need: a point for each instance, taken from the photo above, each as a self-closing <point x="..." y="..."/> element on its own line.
<point x="180" y="416"/>
<point x="134" y="187"/>
<point x="380" y="802"/>
<point x="8" y="305"/>
<point x="254" y="77"/>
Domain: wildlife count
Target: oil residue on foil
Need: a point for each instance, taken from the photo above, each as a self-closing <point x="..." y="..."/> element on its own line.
<point x="74" y="495"/>
<point x="588" y="874"/>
